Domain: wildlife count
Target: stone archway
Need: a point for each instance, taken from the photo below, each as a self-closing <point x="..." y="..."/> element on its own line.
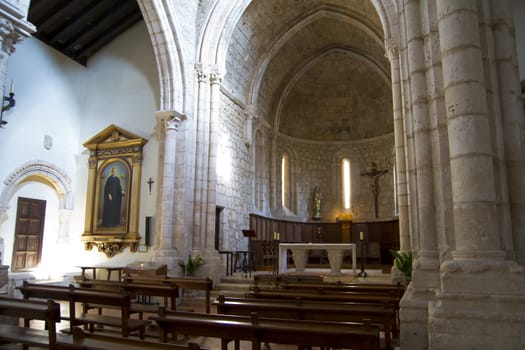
<point x="50" y="174"/>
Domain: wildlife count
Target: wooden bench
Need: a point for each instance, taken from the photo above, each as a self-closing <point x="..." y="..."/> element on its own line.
<point x="259" y="330"/>
<point x="47" y="311"/>
<point x="204" y="284"/>
<point x="382" y="315"/>
<point x="271" y="279"/>
<point x="86" y="297"/>
<point x="371" y="288"/>
<point x="168" y="291"/>
<point x="320" y="295"/>
<point x="85" y="341"/>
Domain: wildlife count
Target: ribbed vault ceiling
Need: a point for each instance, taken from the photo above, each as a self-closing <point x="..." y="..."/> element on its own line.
<point x="313" y="69"/>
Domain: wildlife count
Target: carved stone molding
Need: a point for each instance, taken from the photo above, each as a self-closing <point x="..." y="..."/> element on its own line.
<point x="392" y="49"/>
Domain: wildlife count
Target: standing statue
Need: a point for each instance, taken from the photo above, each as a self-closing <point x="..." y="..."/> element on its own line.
<point x="317" y="203"/>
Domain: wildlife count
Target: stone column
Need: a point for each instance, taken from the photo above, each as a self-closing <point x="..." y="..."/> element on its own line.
<point x="211" y="195"/>
<point x="471" y="158"/>
<point x="480" y="304"/>
<point x="427" y="247"/>
<point x="201" y="151"/>
<point x="166" y="244"/>
<point x="425" y="274"/>
<point x="513" y="126"/>
<point x="392" y="49"/>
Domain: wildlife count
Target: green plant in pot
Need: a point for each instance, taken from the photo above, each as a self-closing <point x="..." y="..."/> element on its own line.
<point x="191" y="265"/>
<point x="403" y="263"/>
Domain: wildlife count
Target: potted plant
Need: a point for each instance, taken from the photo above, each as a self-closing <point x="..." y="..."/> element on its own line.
<point x="403" y="263"/>
<point x="191" y="265"/>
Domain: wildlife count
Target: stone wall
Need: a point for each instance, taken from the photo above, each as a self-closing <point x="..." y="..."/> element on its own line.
<point x="235" y="180"/>
<point x="319" y="165"/>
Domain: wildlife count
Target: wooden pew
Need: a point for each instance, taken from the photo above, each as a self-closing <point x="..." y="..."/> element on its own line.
<point x="372" y="288"/>
<point x="320" y="295"/>
<point x="259" y="330"/>
<point x="85" y="341"/>
<point x="85" y="297"/>
<point x="167" y="291"/>
<point x="204" y="284"/>
<point x="48" y="311"/>
<point x="382" y="315"/>
<point x="271" y="279"/>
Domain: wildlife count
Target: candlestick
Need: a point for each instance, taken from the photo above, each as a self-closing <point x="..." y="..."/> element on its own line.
<point x="361" y="235"/>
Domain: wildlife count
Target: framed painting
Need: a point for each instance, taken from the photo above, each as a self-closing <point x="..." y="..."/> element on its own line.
<point x="113" y="191"/>
<point x="113" y="195"/>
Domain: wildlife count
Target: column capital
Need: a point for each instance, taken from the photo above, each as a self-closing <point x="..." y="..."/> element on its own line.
<point x="171" y="119"/>
<point x="202" y="75"/>
<point x="215" y="75"/>
<point x="392" y="49"/>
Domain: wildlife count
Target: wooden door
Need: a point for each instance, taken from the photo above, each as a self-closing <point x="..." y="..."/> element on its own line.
<point x="29" y="232"/>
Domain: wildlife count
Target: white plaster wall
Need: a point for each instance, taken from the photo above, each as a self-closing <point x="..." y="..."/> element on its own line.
<point x="71" y="103"/>
<point x="47" y="103"/>
<point x="122" y="89"/>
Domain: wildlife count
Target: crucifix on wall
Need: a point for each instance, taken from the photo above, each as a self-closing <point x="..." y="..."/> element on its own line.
<point x="374" y="175"/>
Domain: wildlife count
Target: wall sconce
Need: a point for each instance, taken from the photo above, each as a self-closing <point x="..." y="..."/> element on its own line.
<point x="8" y="102"/>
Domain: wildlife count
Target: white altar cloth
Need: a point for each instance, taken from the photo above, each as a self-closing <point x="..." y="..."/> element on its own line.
<point x="300" y="255"/>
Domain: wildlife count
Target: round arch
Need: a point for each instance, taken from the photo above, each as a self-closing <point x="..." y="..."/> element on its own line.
<point x="46" y="171"/>
<point x="167" y="46"/>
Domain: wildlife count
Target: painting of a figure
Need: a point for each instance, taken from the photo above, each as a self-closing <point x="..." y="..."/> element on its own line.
<point x="114" y="180"/>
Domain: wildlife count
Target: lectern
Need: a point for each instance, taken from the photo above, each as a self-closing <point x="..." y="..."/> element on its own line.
<point x="247" y="264"/>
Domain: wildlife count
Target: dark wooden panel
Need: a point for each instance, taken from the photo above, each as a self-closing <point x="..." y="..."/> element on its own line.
<point x="384" y="234"/>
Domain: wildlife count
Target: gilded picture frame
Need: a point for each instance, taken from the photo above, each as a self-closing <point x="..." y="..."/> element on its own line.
<point x="113" y="191"/>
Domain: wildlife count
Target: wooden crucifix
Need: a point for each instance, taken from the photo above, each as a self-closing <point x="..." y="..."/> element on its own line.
<point x="374" y="175"/>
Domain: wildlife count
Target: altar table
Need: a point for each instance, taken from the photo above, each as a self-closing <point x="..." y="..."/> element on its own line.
<point x="300" y="255"/>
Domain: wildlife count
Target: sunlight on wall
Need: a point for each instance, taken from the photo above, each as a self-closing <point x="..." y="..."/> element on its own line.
<point x="346" y="183"/>
<point x="224" y="159"/>
<point x="285" y="178"/>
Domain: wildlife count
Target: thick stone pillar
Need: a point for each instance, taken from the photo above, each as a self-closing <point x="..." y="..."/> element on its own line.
<point x="168" y="242"/>
<point x="480" y="304"/>
<point x="471" y="158"/>
<point x="207" y="142"/>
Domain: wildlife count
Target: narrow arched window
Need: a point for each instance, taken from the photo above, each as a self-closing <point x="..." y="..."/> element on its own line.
<point x="345" y="169"/>
<point x="285" y="180"/>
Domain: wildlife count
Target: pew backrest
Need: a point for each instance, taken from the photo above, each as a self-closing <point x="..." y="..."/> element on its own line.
<point x="48" y="311"/>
